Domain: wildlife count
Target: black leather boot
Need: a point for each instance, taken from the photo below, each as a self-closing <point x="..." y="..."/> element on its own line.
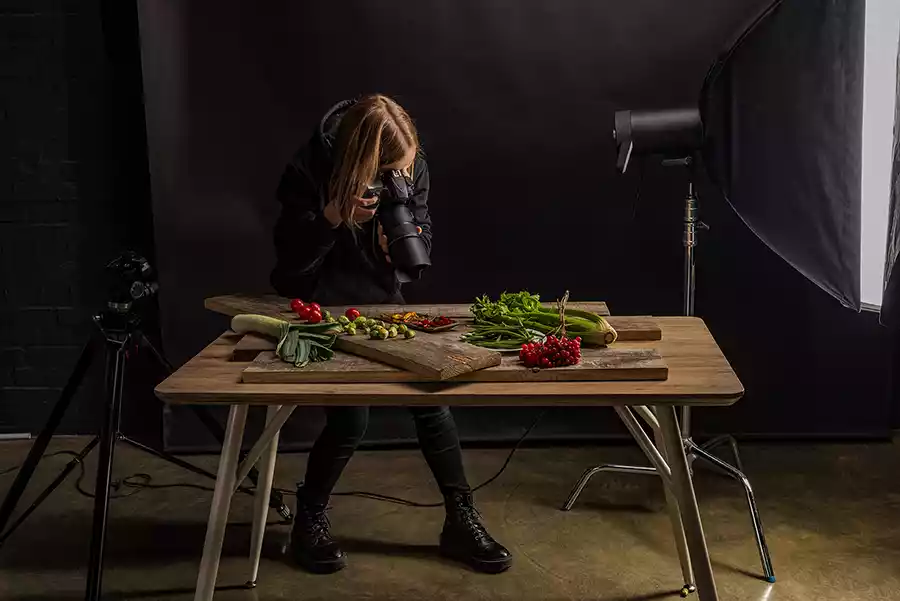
<point x="465" y="539"/>
<point x="311" y="543"/>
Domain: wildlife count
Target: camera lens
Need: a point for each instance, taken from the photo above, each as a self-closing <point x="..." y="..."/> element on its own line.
<point x="407" y="250"/>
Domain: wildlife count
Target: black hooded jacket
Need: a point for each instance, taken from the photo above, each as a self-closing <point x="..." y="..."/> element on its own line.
<point x="333" y="266"/>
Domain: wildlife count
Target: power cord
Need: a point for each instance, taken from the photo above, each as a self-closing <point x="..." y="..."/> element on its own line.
<point x="135" y="483"/>
<point x="408" y="503"/>
<point x="14" y="468"/>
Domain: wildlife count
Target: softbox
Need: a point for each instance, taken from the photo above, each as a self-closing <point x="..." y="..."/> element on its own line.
<point x="890" y="304"/>
<point x="783" y="114"/>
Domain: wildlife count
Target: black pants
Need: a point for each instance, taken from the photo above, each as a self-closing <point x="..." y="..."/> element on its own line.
<point x="347" y="425"/>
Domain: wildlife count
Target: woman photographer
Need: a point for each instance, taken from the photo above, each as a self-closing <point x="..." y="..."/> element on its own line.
<point x="330" y="250"/>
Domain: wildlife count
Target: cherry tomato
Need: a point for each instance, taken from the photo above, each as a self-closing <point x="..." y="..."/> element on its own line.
<point x="296" y="305"/>
<point x="314" y="317"/>
<point x="314" y="307"/>
<point x="352" y="314"/>
<point x="303" y="312"/>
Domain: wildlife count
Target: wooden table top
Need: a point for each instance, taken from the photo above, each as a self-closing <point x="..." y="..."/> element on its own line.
<point x="276" y="306"/>
<point x="698" y="375"/>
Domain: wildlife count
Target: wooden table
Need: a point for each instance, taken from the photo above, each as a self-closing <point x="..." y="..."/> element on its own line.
<point x="699" y="375"/>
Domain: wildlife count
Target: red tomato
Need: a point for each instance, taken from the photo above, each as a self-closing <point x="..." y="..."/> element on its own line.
<point x="296" y="305"/>
<point x="314" y="317"/>
<point x="303" y="312"/>
<point x="314" y="307"/>
<point x="352" y="314"/>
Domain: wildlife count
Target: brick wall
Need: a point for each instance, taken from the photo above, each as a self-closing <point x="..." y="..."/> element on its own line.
<point x="70" y="129"/>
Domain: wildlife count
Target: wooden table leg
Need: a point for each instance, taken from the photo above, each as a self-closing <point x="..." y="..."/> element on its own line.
<point x="221" y="503"/>
<point x="683" y="490"/>
<point x="261" y="498"/>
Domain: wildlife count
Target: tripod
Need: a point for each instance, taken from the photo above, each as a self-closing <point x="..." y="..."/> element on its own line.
<point x="120" y="335"/>
<point x="693" y="451"/>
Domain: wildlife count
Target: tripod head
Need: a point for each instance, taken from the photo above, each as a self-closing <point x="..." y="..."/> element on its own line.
<point x="131" y="281"/>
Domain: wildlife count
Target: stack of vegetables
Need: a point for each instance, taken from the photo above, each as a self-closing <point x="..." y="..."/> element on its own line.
<point x="298" y="343"/>
<point x="519" y="318"/>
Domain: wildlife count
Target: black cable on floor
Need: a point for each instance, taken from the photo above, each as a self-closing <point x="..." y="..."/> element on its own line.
<point x="135" y="483"/>
<point x="14" y="468"/>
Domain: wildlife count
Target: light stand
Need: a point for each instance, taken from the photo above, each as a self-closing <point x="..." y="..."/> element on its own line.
<point x="693" y="451"/>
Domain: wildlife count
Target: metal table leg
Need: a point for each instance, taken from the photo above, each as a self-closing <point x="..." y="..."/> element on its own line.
<point x="683" y="490"/>
<point x="221" y="503"/>
<point x="261" y="500"/>
<point x="684" y="557"/>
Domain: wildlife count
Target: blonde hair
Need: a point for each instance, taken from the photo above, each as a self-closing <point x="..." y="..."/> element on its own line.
<point x="374" y="132"/>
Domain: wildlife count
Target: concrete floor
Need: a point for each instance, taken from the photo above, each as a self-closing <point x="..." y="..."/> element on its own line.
<point x="832" y="514"/>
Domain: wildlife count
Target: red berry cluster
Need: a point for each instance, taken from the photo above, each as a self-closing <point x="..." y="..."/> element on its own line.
<point x="552" y="352"/>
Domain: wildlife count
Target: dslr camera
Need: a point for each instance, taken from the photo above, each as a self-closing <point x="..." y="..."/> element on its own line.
<point x="407" y="250"/>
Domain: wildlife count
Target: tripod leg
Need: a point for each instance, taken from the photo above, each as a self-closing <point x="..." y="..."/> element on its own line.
<point x="115" y="378"/>
<point x="53" y="486"/>
<point x="764" y="557"/>
<point x="261" y="501"/>
<point x="609" y="467"/>
<point x="40" y="444"/>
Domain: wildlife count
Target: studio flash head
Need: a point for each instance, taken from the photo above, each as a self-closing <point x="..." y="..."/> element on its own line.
<point x="672" y="133"/>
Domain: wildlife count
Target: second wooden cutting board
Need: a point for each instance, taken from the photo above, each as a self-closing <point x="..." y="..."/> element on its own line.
<point x="600" y="364"/>
<point x="436" y="359"/>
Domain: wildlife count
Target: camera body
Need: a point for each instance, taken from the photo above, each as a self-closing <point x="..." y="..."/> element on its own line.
<point x="407" y="250"/>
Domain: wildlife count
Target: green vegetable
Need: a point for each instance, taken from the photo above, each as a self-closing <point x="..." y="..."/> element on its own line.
<point x="259" y="324"/>
<point x="343" y="320"/>
<point x="298" y="343"/>
<point x="409" y="334"/>
<point x="351" y="329"/>
<point x="392" y="332"/>
<point x="360" y="321"/>
<point x="402" y="328"/>
<point x="525" y="309"/>
<point x="501" y="336"/>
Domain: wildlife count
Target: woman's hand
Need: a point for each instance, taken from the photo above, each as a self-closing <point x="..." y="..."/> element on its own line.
<point x="361" y="211"/>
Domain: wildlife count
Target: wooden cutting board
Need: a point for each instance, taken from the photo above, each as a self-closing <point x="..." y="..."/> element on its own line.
<point x="629" y="329"/>
<point x="598" y="364"/>
<point x="276" y="306"/>
<point x="428" y="356"/>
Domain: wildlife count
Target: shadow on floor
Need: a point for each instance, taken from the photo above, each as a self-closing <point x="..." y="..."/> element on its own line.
<point x="135" y="540"/>
<point x="132" y="595"/>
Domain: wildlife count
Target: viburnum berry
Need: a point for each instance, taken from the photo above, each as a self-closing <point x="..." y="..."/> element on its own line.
<point x="552" y="352"/>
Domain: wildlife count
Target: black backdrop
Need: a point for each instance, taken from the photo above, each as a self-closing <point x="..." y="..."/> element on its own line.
<point x="514" y="103"/>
